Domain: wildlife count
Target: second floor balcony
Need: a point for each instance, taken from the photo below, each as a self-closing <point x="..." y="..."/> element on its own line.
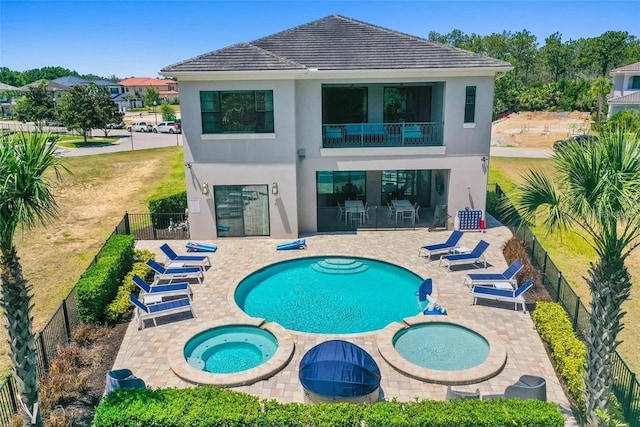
<point x="415" y="134"/>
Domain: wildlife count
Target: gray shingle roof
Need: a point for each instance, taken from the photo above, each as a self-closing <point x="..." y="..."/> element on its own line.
<point x="4" y="87"/>
<point x="336" y="43"/>
<point x="632" y="98"/>
<point x="630" y="67"/>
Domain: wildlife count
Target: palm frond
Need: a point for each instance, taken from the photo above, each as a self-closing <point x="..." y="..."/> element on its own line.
<point x="537" y="193"/>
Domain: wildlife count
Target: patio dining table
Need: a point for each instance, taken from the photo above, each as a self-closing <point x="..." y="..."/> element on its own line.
<point x="351" y="208"/>
<point x="401" y="206"/>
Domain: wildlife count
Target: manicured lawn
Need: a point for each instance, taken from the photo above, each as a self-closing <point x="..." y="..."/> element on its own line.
<point x="76" y="141"/>
<point x="92" y="200"/>
<point x="571" y="253"/>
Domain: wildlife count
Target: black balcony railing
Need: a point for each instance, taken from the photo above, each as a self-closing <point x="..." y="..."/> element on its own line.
<point x="382" y="135"/>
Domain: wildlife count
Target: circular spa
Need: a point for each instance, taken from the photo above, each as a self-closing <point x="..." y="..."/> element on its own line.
<point x="443" y="352"/>
<point x="231" y="355"/>
<point x="330" y="295"/>
<point x="228" y="349"/>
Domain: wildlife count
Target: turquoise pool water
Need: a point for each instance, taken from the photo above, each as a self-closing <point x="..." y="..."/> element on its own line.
<point x="330" y="295"/>
<point x="442" y="346"/>
<point x="229" y="349"/>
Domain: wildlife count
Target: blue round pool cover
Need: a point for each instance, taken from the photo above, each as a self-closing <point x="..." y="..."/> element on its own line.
<point x="338" y="368"/>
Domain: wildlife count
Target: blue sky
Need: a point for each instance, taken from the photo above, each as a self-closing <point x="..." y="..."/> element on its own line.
<point x="138" y="38"/>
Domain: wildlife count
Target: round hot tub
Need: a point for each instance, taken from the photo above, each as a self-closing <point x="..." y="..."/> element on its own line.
<point x="454" y="351"/>
<point x="231" y="354"/>
<point x="232" y="348"/>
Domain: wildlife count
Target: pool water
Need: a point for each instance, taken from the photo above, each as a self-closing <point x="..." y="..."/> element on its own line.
<point x="442" y="346"/>
<point x="330" y="295"/>
<point x="228" y="349"/>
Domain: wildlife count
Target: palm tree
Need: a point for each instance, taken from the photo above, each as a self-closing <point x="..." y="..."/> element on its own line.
<point x="25" y="199"/>
<point x="600" y="88"/>
<point x="596" y="190"/>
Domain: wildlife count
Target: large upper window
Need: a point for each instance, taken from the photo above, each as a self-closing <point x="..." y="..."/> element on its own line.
<point x="341" y="105"/>
<point x="470" y="105"/>
<point x="246" y="111"/>
<point x="634" y="82"/>
<point x="407" y="104"/>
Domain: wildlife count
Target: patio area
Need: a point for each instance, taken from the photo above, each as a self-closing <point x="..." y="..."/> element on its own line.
<point x="145" y="352"/>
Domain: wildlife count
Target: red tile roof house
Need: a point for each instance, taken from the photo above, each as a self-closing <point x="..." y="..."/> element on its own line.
<point x="334" y="125"/>
<point x="135" y="86"/>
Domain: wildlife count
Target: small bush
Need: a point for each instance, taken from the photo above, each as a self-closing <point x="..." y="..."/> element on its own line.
<point x="65" y="380"/>
<point x="174" y="203"/>
<point x="98" y="284"/>
<point x="513" y="250"/>
<point x="555" y="328"/>
<point x="85" y="335"/>
<point x="493" y="204"/>
<point x="211" y="406"/>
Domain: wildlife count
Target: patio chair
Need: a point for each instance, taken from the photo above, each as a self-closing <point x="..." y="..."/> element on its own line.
<point x="175" y="272"/>
<point x="416" y="206"/>
<point x="296" y="244"/>
<point x="392" y="211"/>
<point x="201" y="261"/>
<point x="473" y="257"/>
<point x="514" y="296"/>
<point x="153" y="311"/>
<point x="459" y="394"/>
<point x="340" y="212"/>
<point x="508" y="276"/>
<point x="442" y="248"/>
<point x="527" y="387"/>
<point x="200" y="247"/>
<point x="172" y="290"/>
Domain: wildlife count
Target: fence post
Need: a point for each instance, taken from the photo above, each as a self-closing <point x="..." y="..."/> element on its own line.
<point x="544" y="263"/>
<point x="12" y="393"/>
<point x="65" y="313"/>
<point x="45" y="360"/>
<point x="575" y="315"/>
<point x="559" y="286"/>
<point x="127" y="226"/>
<point x="533" y="249"/>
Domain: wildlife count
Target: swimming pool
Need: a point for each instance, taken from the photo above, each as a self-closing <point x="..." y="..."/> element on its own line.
<point x="330" y="295"/>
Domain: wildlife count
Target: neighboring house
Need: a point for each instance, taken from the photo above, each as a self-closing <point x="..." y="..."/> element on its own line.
<point x="55" y="89"/>
<point x="134" y="88"/>
<point x="280" y="131"/>
<point x="115" y="90"/>
<point x="626" y="89"/>
<point x="7" y="100"/>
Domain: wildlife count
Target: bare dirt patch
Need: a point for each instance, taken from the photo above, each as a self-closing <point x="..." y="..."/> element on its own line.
<point x="538" y="129"/>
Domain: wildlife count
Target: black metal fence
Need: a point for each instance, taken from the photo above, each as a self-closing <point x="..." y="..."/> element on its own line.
<point x="156" y="226"/>
<point x="626" y="385"/>
<point x="55" y="334"/>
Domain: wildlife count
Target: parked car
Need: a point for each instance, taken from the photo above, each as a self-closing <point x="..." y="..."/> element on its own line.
<point x="115" y="125"/>
<point x="167" y="127"/>
<point x="577" y="139"/>
<point x="140" y="127"/>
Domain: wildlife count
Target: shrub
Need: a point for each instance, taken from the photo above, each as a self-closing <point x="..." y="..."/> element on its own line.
<point x="493" y="203"/>
<point x="120" y="304"/>
<point x="65" y="380"/>
<point x="85" y="335"/>
<point x="171" y="204"/>
<point x="514" y="249"/>
<point x="211" y="406"/>
<point x="98" y="284"/>
<point x="555" y="328"/>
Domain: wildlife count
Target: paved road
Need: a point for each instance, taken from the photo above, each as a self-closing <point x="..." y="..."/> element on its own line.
<point x="140" y="141"/>
<point x="540" y="153"/>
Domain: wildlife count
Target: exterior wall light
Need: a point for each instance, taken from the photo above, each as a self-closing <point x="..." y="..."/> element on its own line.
<point x="205" y="188"/>
<point x="274" y="189"/>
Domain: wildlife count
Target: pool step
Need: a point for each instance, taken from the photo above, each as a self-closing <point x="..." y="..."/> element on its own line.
<point x="339" y="266"/>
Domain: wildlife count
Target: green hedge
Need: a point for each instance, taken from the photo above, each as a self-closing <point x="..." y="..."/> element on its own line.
<point x="98" y="285"/>
<point x="120" y="304"/>
<point x="554" y="327"/>
<point x="211" y="406"/>
<point x="171" y="204"/>
<point x="493" y="204"/>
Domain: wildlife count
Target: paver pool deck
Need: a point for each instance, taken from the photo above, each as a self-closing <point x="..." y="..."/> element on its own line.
<point x="145" y="351"/>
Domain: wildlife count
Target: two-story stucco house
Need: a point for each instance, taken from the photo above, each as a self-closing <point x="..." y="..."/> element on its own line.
<point x="333" y="125"/>
<point x="626" y="89"/>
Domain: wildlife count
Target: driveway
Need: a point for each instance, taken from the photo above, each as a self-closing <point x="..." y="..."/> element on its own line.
<point x="539" y="153"/>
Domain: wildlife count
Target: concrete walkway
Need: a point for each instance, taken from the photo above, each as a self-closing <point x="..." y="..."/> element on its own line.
<point x="145" y="351"/>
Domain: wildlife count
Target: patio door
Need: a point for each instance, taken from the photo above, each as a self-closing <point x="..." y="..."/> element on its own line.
<point x="241" y="210"/>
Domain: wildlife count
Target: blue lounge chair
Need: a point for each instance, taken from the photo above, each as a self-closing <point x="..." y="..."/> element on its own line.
<point x="296" y="244"/>
<point x="201" y="261"/>
<point x="175" y="272"/>
<point x="508" y="276"/>
<point x="172" y="290"/>
<point x="425" y="289"/>
<point x="442" y="248"/>
<point x="475" y="256"/>
<point x="200" y="247"/>
<point x="514" y="296"/>
<point x="152" y="311"/>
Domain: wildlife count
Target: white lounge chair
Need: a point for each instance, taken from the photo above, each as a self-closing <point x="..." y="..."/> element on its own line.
<point x="509" y="276"/>
<point x="201" y="261"/>
<point x="514" y="296"/>
<point x="175" y="273"/>
<point x="441" y="248"/>
<point x="473" y="257"/>
<point x="172" y="290"/>
<point x="152" y="311"/>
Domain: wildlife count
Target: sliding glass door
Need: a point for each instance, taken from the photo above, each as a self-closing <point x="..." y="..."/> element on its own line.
<point x="242" y="210"/>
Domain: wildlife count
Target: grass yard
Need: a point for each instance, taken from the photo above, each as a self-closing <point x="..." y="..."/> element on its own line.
<point x="92" y="200"/>
<point x="76" y="141"/>
<point x="572" y="254"/>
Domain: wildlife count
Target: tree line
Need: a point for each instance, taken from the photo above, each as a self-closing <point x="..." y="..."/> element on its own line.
<point x="556" y="75"/>
<point x="21" y="78"/>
